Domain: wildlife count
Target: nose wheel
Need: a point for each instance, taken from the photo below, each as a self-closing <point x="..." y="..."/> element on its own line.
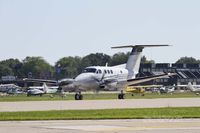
<point x="121" y="95"/>
<point x="78" y="96"/>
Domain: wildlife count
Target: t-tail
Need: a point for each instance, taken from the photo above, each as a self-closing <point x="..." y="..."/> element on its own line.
<point x="45" y="89"/>
<point x="191" y="87"/>
<point x="133" y="63"/>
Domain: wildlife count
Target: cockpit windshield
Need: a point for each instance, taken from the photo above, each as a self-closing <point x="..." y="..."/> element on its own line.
<point x="89" y="70"/>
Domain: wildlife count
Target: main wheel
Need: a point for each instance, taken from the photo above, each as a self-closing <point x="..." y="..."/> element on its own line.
<point x="78" y="97"/>
<point x="121" y="96"/>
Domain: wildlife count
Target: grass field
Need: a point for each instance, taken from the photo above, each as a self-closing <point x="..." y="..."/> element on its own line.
<point x="95" y="97"/>
<point x="150" y="113"/>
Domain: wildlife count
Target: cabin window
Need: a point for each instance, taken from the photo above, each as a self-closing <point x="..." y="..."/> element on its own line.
<point x="108" y="71"/>
<point x="111" y="71"/>
<point x="105" y="71"/>
<point x="99" y="71"/>
<point x="89" y="70"/>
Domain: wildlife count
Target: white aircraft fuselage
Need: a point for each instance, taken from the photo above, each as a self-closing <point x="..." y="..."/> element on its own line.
<point x="95" y="77"/>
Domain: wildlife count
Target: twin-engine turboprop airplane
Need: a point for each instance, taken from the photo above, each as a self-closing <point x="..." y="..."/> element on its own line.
<point x="97" y="78"/>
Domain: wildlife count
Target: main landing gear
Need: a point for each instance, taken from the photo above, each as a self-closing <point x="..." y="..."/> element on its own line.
<point x="121" y="95"/>
<point x="78" y="96"/>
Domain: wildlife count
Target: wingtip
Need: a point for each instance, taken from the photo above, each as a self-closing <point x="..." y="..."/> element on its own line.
<point x="171" y="74"/>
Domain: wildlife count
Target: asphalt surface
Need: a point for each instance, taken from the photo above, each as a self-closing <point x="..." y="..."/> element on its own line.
<point x="103" y="126"/>
<point x="98" y="104"/>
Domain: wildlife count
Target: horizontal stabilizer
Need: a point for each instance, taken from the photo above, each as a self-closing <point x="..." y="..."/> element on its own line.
<point x="132" y="82"/>
<point x="140" y="46"/>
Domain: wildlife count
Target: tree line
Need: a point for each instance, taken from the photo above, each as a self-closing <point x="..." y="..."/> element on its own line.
<point x="38" y="67"/>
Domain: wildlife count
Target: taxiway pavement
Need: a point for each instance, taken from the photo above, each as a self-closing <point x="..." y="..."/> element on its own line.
<point x="98" y="104"/>
<point x="103" y="126"/>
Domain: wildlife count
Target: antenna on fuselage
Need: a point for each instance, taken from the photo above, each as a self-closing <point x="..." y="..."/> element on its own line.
<point x="106" y="64"/>
<point x="133" y="63"/>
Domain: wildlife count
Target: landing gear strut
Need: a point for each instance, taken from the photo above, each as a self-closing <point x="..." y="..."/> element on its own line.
<point x="78" y="96"/>
<point x="121" y="95"/>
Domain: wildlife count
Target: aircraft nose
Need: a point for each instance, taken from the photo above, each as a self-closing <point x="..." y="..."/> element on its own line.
<point x="79" y="78"/>
<point x="82" y="79"/>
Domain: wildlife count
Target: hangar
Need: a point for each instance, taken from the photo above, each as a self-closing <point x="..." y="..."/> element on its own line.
<point x="185" y="73"/>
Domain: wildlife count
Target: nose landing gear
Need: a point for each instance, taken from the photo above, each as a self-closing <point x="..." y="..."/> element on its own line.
<point x="121" y="95"/>
<point x="78" y="96"/>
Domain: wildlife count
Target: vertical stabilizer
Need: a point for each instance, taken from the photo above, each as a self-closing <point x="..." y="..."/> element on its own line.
<point x="45" y="87"/>
<point x="133" y="63"/>
<point x="191" y="87"/>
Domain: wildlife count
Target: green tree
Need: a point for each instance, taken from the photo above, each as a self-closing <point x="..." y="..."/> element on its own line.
<point x="144" y="60"/>
<point x="187" y="60"/>
<point x="98" y="59"/>
<point x="10" y="67"/>
<point x="38" y="67"/>
<point x="119" y="58"/>
<point x="67" y="67"/>
<point x="5" y="70"/>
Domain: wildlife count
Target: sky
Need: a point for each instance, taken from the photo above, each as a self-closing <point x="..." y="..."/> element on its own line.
<point x="59" y="28"/>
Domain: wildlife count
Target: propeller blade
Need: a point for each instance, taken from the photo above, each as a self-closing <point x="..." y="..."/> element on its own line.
<point x="103" y="75"/>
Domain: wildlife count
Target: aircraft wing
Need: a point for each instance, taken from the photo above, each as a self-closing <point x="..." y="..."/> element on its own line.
<point x="181" y="85"/>
<point x="197" y="86"/>
<point x="65" y="81"/>
<point x="110" y="80"/>
<point x="145" y="86"/>
<point x="132" y="82"/>
<point x="53" y="87"/>
<point x="40" y="80"/>
<point x="36" y="87"/>
<point x="61" y="82"/>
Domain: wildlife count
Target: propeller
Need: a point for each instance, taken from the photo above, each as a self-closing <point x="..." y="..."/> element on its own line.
<point x="103" y="75"/>
<point x="101" y="80"/>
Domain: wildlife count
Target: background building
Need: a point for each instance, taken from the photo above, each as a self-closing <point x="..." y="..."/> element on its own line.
<point x="185" y="73"/>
